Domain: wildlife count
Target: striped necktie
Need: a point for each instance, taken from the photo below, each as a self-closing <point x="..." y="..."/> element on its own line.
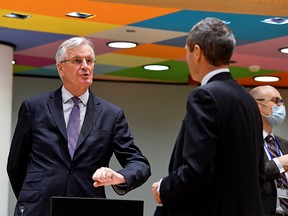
<point x="282" y="180"/>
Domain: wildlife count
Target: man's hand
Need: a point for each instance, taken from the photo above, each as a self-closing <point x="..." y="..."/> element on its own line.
<point x="284" y="161"/>
<point x="106" y="176"/>
<point x="155" y="193"/>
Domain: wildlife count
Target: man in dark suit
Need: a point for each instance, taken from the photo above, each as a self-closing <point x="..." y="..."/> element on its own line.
<point x="273" y="113"/>
<point x="43" y="162"/>
<point x="217" y="165"/>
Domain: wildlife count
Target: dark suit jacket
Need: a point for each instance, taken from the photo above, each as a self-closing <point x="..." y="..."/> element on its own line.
<point x="269" y="194"/>
<point x="39" y="164"/>
<point x="217" y="163"/>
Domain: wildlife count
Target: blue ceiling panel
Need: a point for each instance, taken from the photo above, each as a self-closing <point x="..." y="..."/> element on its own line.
<point x="178" y="42"/>
<point x="28" y="38"/>
<point x="247" y="27"/>
<point x="172" y="22"/>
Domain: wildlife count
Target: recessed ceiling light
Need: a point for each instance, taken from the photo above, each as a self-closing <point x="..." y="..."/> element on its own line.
<point x="276" y="21"/>
<point x="80" y="15"/>
<point x="254" y="68"/>
<point x="156" y="67"/>
<point x="226" y="22"/>
<point x="17" y="16"/>
<point x="130" y="30"/>
<point x="284" y="50"/>
<point x="122" y="44"/>
<point x="266" y="79"/>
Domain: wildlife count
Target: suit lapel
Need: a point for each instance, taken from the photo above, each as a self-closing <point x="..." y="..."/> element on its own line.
<point x="283" y="145"/>
<point x="92" y="113"/>
<point x="56" y="108"/>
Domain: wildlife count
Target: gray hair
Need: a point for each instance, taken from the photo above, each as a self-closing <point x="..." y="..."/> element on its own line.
<point x="215" y="39"/>
<point x="71" y="44"/>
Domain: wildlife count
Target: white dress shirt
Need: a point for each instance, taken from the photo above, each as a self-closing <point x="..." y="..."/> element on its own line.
<point x="68" y="104"/>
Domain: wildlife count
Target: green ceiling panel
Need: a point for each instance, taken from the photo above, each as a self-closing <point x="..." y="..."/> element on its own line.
<point x="241" y="72"/>
<point x="40" y="72"/>
<point x="178" y="72"/>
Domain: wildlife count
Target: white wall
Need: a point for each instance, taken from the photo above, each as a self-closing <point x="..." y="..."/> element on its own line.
<point x="6" y="69"/>
<point x="154" y="113"/>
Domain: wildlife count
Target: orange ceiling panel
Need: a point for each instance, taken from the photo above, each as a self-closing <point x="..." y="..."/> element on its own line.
<point x="249" y="81"/>
<point x="155" y="51"/>
<point x="104" y="12"/>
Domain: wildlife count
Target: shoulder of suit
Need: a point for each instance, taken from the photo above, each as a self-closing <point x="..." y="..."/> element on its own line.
<point x="281" y="139"/>
<point x="105" y="103"/>
<point x="40" y="97"/>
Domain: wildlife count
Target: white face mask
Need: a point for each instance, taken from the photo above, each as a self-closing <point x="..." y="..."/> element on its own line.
<point x="278" y="115"/>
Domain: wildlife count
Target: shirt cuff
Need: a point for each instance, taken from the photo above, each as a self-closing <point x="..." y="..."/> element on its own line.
<point x="158" y="190"/>
<point x="279" y="165"/>
<point x="120" y="189"/>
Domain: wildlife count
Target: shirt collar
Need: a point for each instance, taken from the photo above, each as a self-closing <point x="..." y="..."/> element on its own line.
<point x="209" y="75"/>
<point x="66" y="96"/>
<point x="265" y="133"/>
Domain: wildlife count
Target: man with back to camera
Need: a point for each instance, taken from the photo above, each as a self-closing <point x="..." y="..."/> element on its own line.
<point x="64" y="140"/>
<point x="217" y="165"/>
<point x="273" y="112"/>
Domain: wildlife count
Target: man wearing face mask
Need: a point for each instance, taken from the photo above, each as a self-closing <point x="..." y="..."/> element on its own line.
<point x="272" y="109"/>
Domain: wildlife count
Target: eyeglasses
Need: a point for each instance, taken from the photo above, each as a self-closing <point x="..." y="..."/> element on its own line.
<point x="276" y="100"/>
<point x="78" y="61"/>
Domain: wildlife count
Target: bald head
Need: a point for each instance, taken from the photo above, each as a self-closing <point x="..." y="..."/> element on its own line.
<point x="264" y="97"/>
<point x="264" y="92"/>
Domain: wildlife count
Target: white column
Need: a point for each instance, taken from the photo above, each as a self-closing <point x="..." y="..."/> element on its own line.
<point x="6" y="75"/>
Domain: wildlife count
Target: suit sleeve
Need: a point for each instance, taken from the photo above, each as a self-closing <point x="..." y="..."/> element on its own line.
<point x="19" y="154"/>
<point x="136" y="168"/>
<point x="271" y="171"/>
<point x="200" y="125"/>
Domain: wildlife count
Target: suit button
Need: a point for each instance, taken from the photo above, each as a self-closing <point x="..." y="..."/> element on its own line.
<point x="71" y="171"/>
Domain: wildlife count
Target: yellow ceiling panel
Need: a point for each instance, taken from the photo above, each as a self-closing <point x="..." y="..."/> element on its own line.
<point x="54" y="25"/>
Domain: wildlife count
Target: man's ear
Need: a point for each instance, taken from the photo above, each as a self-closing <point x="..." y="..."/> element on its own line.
<point x="198" y="52"/>
<point x="259" y="106"/>
<point x="60" y="69"/>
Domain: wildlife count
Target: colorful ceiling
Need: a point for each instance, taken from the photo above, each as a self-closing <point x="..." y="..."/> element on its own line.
<point x="160" y="29"/>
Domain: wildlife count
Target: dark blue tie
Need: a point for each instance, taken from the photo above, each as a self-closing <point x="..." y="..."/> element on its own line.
<point x="73" y="126"/>
<point x="282" y="180"/>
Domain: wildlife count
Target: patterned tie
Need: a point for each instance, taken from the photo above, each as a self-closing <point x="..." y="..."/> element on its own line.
<point x="282" y="180"/>
<point x="73" y="126"/>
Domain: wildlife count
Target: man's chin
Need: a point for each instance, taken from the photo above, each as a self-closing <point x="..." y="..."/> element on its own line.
<point x="87" y="81"/>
